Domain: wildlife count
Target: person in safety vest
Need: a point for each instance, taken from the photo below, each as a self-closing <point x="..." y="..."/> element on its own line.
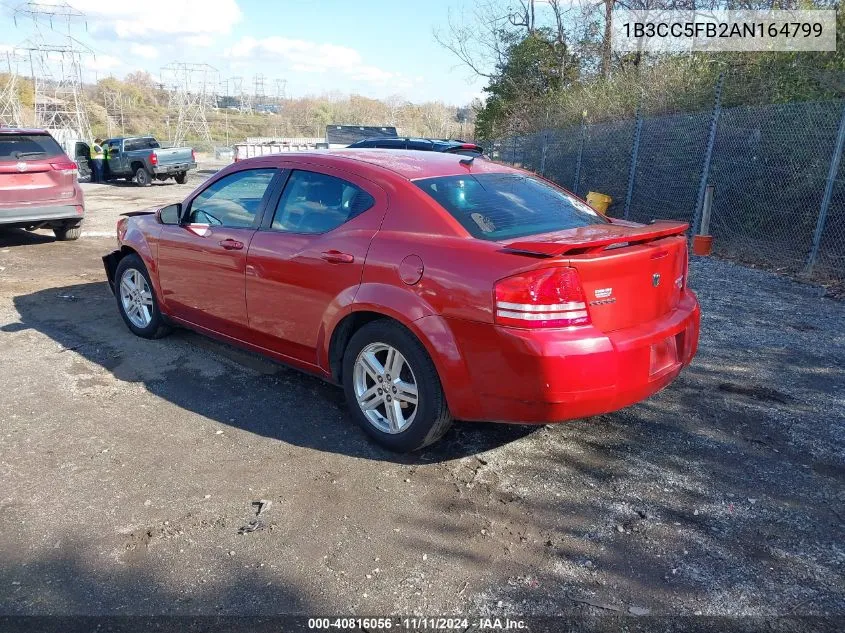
<point x="97" y="158"/>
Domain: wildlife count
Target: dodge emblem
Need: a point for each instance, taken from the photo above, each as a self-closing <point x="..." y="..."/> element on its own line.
<point x="655" y="279"/>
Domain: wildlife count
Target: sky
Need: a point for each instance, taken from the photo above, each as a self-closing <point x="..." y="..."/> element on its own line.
<point x="374" y="48"/>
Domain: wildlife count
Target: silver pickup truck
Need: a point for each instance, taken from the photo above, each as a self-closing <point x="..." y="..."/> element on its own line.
<point x="141" y="159"/>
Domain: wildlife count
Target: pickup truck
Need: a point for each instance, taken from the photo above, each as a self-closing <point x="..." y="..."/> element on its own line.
<point x="141" y="159"/>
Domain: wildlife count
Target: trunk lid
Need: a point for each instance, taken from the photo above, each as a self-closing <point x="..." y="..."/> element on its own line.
<point x="34" y="181"/>
<point x="34" y="169"/>
<point x="630" y="274"/>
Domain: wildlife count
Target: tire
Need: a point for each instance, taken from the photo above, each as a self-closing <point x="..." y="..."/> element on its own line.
<point x="68" y="233"/>
<point x="143" y="178"/>
<point x="428" y="420"/>
<point x="155" y="327"/>
<point x="181" y="178"/>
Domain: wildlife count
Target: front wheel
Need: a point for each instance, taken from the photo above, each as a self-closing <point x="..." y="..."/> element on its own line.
<point x="143" y="178"/>
<point x="136" y="300"/>
<point x="392" y="387"/>
<point x="181" y="178"/>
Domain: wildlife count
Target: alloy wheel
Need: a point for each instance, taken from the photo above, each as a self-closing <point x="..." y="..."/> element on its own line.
<point x="385" y="388"/>
<point x="136" y="298"/>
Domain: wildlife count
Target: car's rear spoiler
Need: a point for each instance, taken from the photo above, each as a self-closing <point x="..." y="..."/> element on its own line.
<point x="571" y="246"/>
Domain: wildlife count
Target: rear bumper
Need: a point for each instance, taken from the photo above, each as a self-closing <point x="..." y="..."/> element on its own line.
<point x="41" y="213"/>
<point x="542" y="376"/>
<point x="173" y="168"/>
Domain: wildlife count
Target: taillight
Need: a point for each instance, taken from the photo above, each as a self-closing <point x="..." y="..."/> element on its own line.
<point x="193" y="156"/>
<point x="550" y="297"/>
<point x="153" y="158"/>
<point x="67" y="167"/>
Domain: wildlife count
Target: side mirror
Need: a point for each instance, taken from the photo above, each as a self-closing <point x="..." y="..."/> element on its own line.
<point x="171" y="214"/>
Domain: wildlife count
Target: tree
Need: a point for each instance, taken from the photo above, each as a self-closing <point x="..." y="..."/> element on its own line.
<point x="524" y="55"/>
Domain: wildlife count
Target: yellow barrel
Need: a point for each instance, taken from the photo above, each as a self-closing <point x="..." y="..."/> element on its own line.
<point x="599" y="201"/>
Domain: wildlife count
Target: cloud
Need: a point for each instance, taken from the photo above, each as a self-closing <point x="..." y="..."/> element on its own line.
<point x="314" y="57"/>
<point x="157" y="17"/>
<point x="103" y="62"/>
<point x="143" y="50"/>
<point x="199" y="41"/>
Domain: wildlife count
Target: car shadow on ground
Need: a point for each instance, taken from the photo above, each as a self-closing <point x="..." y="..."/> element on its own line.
<point x="222" y="383"/>
<point x="22" y="237"/>
<point x="76" y="584"/>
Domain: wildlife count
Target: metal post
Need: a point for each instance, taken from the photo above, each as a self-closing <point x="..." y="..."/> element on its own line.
<point x="580" y="155"/>
<point x="708" y="154"/>
<point x="635" y="150"/>
<point x="543" y="153"/>
<point x="828" y="194"/>
<point x="705" y="212"/>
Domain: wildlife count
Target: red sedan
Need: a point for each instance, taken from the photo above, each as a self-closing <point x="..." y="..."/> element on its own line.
<point x="431" y="286"/>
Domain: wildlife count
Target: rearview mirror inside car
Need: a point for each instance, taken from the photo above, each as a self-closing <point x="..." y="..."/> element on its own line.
<point x="170" y="214"/>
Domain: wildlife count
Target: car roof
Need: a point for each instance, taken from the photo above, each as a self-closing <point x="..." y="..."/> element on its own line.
<point x="409" y="164"/>
<point x="21" y="130"/>
<point x="417" y="139"/>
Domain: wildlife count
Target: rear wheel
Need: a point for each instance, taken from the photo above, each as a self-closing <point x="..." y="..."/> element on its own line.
<point x="136" y="300"/>
<point x="181" y="177"/>
<point x="392" y="387"/>
<point x="143" y="178"/>
<point x="68" y="232"/>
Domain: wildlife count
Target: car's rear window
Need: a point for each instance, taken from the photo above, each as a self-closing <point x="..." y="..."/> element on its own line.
<point x="28" y="146"/>
<point x="504" y="206"/>
<point x="130" y="145"/>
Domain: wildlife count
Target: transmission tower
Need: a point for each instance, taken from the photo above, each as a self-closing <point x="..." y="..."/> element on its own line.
<point x="280" y="84"/>
<point x="55" y="63"/>
<point x="194" y="92"/>
<point x="240" y="93"/>
<point x="259" y="90"/>
<point x="46" y="15"/>
<point x="113" y="101"/>
<point x="57" y="77"/>
<point x="10" y="105"/>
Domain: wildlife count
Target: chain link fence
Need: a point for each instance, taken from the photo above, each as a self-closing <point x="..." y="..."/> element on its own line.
<point x="778" y="174"/>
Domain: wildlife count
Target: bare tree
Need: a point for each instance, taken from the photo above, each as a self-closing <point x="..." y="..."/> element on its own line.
<point x="478" y="39"/>
<point x="525" y="17"/>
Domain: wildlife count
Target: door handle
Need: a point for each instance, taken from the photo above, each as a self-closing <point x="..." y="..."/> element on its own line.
<point x="336" y="257"/>
<point x="231" y="245"/>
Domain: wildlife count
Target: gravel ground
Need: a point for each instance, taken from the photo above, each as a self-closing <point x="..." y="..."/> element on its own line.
<point x="129" y="467"/>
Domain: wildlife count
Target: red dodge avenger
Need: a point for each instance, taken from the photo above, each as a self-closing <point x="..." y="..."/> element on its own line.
<point x="430" y="286"/>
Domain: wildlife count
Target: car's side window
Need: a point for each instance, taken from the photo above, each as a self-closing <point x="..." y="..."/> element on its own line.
<point x="317" y="203"/>
<point x="232" y="201"/>
<point x="391" y="144"/>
